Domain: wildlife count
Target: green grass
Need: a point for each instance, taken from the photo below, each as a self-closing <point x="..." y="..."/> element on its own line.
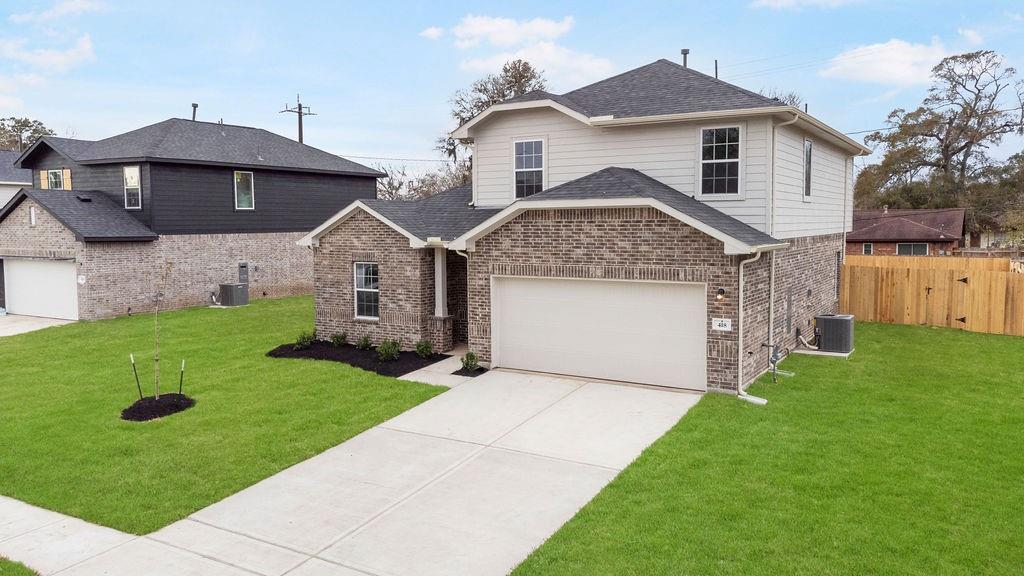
<point x="9" y="568"/>
<point x="65" y="448"/>
<point x="908" y="458"/>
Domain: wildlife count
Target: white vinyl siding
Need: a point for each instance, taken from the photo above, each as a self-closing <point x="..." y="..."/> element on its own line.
<point x="824" y="211"/>
<point x="667" y="152"/>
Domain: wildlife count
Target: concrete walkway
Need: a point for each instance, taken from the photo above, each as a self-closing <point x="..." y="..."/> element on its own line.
<point x="11" y="324"/>
<point x="469" y="482"/>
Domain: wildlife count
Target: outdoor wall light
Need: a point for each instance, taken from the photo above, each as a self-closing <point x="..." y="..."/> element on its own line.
<point x="720" y="294"/>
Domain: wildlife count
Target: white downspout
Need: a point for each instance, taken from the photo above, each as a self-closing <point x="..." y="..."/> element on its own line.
<point x="739" y="369"/>
<point x="771" y="229"/>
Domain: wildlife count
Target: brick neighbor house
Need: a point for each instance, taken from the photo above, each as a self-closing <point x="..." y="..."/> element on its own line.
<point x="101" y="221"/>
<point x="659" y="227"/>
<point x="906" y="232"/>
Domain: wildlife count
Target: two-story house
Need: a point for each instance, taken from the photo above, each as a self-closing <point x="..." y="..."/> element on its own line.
<point x="660" y="227"/>
<point x="175" y="208"/>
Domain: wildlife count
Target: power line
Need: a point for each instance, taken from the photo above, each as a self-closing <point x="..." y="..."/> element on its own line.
<point x="393" y="159"/>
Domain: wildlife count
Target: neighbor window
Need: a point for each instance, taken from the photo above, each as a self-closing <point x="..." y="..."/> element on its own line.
<point x="720" y="160"/>
<point x="55" y="179"/>
<point x="912" y="249"/>
<point x="808" y="149"/>
<point x="529" y="167"/>
<point x="367" y="291"/>
<point x="244" y="197"/>
<point x="867" y="248"/>
<point x="132" y="188"/>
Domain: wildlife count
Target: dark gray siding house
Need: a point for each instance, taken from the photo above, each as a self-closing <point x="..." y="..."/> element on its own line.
<point x="217" y="203"/>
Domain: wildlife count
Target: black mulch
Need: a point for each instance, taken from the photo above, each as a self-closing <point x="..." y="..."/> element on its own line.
<point x="470" y="373"/>
<point x="151" y="408"/>
<point x="365" y="359"/>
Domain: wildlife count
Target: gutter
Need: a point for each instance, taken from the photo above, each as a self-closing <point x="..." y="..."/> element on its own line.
<point x="740" y="392"/>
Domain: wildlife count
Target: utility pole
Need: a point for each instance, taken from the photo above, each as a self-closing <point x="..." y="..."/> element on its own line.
<point x="300" y="111"/>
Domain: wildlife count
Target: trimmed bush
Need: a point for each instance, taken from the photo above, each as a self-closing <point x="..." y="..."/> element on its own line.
<point x="470" y="362"/>
<point x="340" y="339"/>
<point x="305" y="340"/>
<point x="388" y="350"/>
<point x="424" y="348"/>
<point x="364" y="343"/>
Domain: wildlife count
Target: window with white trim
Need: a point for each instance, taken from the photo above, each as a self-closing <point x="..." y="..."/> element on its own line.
<point x="367" y="289"/>
<point x="245" y="198"/>
<point x="867" y="248"/>
<point x="720" y="161"/>
<point x="912" y="249"/>
<point x="529" y="167"/>
<point x="132" y="188"/>
<point x="808" y="151"/>
<point x="55" y="179"/>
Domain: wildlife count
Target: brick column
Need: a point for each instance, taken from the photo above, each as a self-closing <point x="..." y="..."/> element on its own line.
<point x="440" y="332"/>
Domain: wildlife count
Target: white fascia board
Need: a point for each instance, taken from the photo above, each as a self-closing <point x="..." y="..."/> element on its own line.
<point x="313" y="238"/>
<point x="467" y="240"/>
<point x="462" y="132"/>
<point x="23" y="184"/>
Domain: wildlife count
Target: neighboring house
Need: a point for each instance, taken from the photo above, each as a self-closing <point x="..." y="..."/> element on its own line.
<point x="660" y="227"/>
<point x="94" y="234"/>
<point x="12" y="178"/>
<point x="991" y="239"/>
<point x="906" y="232"/>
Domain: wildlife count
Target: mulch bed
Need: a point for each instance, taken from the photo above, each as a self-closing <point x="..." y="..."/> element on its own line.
<point x="470" y="373"/>
<point x="365" y="359"/>
<point x="151" y="408"/>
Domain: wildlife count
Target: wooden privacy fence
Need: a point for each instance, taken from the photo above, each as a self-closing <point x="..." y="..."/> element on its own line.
<point x="931" y="262"/>
<point x="975" y="300"/>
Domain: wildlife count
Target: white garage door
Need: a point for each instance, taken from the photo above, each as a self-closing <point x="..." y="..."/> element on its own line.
<point x="41" y="288"/>
<point x="646" y="332"/>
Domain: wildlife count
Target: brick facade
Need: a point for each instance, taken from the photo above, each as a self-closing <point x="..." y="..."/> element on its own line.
<point x="889" y="248"/>
<point x="121" y="277"/>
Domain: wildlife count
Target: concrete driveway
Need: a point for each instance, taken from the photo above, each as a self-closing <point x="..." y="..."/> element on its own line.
<point x="469" y="482"/>
<point x="12" y="324"/>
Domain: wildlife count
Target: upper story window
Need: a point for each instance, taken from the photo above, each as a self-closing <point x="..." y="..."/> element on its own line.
<point x="244" y="192"/>
<point x="720" y="160"/>
<point x="529" y="167"/>
<point x="132" y="188"/>
<point x="55" y="179"/>
<point x="808" y="149"/>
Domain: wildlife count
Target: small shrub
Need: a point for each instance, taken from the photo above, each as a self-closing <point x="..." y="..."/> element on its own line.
<point x="305" y="340"/>
<point x="424" y="348"/>
<point x="340" y="339"/>
<point x="364" y="343"/>
<point x="470" y="362"/>
<point x="388" y="350"/>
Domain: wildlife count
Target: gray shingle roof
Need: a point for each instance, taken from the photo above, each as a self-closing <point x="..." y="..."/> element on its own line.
<point x="8" y="172"/>
<point x="615" y="182"/>
<point x="661" y="87"/>
<point x="91" y="216"/>
<point x="445" y="215"/>
<point x="208" y="143"/>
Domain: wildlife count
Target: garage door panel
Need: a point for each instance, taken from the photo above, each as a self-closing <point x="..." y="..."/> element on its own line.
<point x="645" y="332"/>
<point x="45" y="288"/>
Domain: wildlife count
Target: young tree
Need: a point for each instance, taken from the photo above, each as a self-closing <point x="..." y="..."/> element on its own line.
<point x="20" y="133"/>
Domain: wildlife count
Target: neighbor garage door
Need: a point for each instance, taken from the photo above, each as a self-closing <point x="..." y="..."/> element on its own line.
<point x="41" y="288"/>
<point x="645" y="332"/>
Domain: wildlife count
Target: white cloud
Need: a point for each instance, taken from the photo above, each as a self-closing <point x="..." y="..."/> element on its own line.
<point x="506" y="32"/>
<point x="972" y="36"/>
<point x="895" y="63"/>
<point x="48" y="60"/>
<point x="433" y="32"/>
<point x="59" y="10"/>
<point x="798" y="4"/>
<point x="565" y="68"/>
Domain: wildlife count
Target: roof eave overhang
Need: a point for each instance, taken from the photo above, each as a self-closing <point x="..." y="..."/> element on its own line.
<point x="313" y="238"/>
<point x="159" y="160"/>
<point x="82" y="238"/>
<point x="13" y="183"/>
<point x="731" y="245"/>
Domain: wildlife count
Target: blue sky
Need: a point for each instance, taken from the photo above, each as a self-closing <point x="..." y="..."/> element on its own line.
<point x="379" y="75"/>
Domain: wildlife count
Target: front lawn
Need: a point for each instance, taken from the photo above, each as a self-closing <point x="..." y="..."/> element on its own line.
<point x="64" y="447"/>
<point x="906" y="459"/>
<point x="9" y="568"/>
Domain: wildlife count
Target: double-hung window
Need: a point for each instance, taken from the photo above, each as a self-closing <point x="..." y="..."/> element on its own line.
<point x="867" y="248"/>
<point x="367" y="290"/>
<point x="132" y="188"/>
<point x="808" y="149"/>
<point x="55" y="179"/>
<point x="720" y="161"/>
<point x="244" y="192"/>
<point x="912" y="249"/>
<point x="529" y="167"/>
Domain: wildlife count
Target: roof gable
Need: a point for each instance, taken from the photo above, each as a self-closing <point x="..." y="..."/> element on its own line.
<point x="91" y="216"/>
<point x="9" y="173"/>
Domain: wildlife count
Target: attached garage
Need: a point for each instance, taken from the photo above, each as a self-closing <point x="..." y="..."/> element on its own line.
<point x="643" y="332"/>
<point x="37" y="287"/>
